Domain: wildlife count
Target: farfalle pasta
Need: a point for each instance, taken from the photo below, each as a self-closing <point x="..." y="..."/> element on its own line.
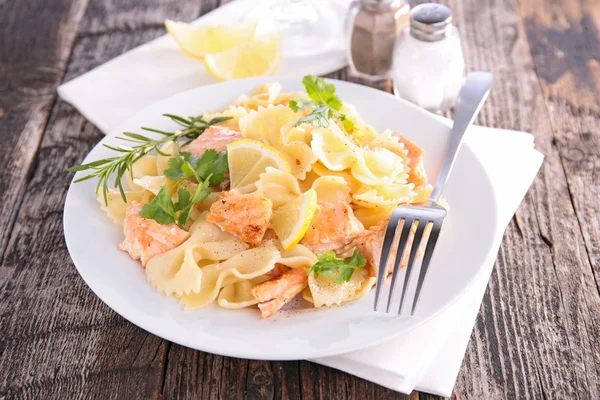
<point x="244" y="265"/>
<point x="277" y="194"/>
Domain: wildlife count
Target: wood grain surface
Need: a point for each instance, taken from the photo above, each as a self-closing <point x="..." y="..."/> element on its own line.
<point x="538" y="331"/>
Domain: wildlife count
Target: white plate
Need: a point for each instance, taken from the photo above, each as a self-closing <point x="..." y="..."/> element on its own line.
<point x="463" y="246"/>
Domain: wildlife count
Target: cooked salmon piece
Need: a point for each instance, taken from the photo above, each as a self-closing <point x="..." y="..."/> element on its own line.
<point x="278" y="270"/>
<point x="417" y="173"/>
<point x="333" y="226"/>
<point x="277" y="292"/>
<point x="146" y="238"/>
<point x="369" y="243"/>
<point x="246" y="216"/>
<point x="215" y="137"/>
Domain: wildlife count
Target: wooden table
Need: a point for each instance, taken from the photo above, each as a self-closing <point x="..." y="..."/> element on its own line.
<point x="538" y="331"/>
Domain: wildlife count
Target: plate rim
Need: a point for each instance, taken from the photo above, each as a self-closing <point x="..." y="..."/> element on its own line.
<point x="314" y="353"/>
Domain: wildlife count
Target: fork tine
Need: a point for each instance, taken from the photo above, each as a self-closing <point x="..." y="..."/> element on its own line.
<point x="390" y="232"/>
<point x="408" y="223"/>
<point x="411" y="260"/>
<point x="433" y="237"/>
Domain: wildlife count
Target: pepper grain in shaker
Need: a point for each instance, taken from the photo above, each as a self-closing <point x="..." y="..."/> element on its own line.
<point x="373" y="26"/>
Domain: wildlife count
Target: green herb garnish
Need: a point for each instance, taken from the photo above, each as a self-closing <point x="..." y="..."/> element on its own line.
<point x="208" y="170"/>
<point x="141" y="145"/>
<point x="329" y="265"/>
<point x="211" y="162"/>
<point x="324" y="103"/>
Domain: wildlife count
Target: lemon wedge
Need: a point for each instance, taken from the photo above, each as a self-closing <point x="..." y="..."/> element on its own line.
<point x="291" y="220"/>
<point x="200" y="40"/>
<point x="249" y="158"/>
<point x="258" y="57"/>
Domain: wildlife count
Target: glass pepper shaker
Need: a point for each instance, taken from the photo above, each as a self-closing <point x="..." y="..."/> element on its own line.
<point x="429" y="67"/>
<point x="371" y="29"/>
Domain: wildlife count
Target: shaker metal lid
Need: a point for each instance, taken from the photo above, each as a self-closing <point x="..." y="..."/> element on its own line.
<point x="430" y="22"/>
<point x="377" y="5"/>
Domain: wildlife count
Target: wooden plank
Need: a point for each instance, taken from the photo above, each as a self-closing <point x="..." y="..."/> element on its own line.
<point x="535" y="335"/>
<point x="566" y="55"/>
<point x="58" y="339"/>
<point x="34" y="52"/>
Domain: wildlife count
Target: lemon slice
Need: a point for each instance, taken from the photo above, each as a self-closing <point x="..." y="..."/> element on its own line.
<point x="200" y="40"/>
<point x="291" y="220"/>
<point x="258" y="57"/>
<point x="249" y="158"/>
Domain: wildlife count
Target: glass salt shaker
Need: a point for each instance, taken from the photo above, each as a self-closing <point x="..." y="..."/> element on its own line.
<point x="429" y="67"/>
<point x="371" y="30"/>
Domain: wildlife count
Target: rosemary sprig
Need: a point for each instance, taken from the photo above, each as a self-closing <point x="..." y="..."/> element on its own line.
<point x="140" y="145"/>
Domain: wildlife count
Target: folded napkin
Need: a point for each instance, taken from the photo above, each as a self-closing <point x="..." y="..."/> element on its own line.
<point x="427" y="358"/>
<point x="111" y="93"/>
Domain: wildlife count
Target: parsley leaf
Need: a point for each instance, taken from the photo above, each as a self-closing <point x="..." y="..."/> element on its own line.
<point x="302" y="104"/>
<point x="328" y="265"/>
<point x="185" y="199"/>
<point x="160" y="209"/>
<point x="321" y="91"/>
<point x="210" y="163"/>
<point x="213" y="163"/>
<point x="174" y="171"/>
<point x="324" y="103"/>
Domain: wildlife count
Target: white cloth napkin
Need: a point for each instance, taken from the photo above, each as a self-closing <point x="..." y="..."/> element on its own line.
<point x="427" y="358"/>
<point x="111" y="93"/>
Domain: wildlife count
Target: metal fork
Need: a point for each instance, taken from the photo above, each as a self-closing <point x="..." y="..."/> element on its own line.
<point x="472" y="96"/>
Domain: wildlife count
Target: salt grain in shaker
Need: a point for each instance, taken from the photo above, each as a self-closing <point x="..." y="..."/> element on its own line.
<point x="429" y="67"/>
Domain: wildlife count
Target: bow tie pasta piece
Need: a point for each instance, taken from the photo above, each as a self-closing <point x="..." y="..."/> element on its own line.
<point x="153" y="184"/>
<point x="384" y="195"/>
<point x="235" y="112"/>
<point x="205" y="204"/>
<point x="332" y="188"/>
<point x="267" y="123"/>
<point x="279" y="186"/>
<point x="362" y="133"/>
<point x="390" y="142"/>
<point x="262" y="96"/>
<point x="246" y="189"/>
<point x="324" y="291"/>
<point x="238" y="295"/>
<point x="334" y="148"/>
<point x="179" y="271"/>
<point x="203" y="231"/>
<point x="219" y="251"/>
<point x="298" y="256"/>
<point x="246" y="265"/>
<point x="116" y="208"/>
<point x="145" y="166"/>
<point x="265" y="95"/>
<point x="295" y="143"/>
<point x="372" y="216"/>
<point x="338" y="152"/>
<point x="321" y="170"/>
<point x="302" y="133"/>
<point x="176" y="271"/>
<point x="378" y="167"/>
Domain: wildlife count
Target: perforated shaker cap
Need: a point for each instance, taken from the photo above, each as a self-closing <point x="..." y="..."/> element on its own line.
<point x="430" y="22"/>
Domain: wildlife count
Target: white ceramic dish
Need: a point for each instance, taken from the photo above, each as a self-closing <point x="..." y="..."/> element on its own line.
<point x="463" y="247"/>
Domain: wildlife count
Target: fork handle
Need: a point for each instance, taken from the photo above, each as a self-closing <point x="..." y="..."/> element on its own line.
<point x="472" y="96"/>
